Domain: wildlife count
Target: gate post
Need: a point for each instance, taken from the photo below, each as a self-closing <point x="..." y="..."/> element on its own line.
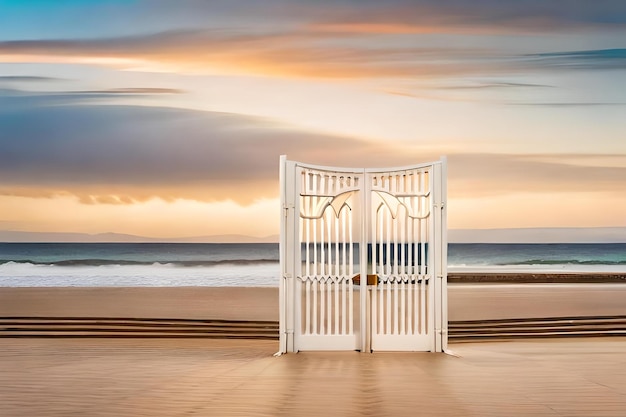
<point x="366" y="337"/>
<point x="287" y="247"/>
<point x="443" y="232"/>
<point x="440" y="248"/>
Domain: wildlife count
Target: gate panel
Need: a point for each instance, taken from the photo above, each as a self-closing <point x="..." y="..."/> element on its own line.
<point x="400" y="239"/>
<point x="329" y="235"/>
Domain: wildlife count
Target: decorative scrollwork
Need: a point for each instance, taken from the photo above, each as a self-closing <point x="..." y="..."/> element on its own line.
<point x="394" y="202"/>
<point x="313" y="206"/>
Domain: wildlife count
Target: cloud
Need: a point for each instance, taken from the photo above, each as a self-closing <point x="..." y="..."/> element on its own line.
<point x="130" y="90"/>
<point x="489" y="174"/>
<point x="440" y="92"/>
<point x="411" y="16"/>
<point x="493" y="85"/>
<point x="119" y="154"/>
<point x="301" y="53"/>
<point x="599" y="59"/>
<point x="296" y="53"/>
<point x="26" y="78"/>
<point x="329" y="39"/>
<point x="572" y="104"/>
<point x="476" y="16"/>
<point x="115" y="154"/>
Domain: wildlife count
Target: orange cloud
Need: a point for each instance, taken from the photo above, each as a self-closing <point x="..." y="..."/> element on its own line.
<point x="298" y="53"/>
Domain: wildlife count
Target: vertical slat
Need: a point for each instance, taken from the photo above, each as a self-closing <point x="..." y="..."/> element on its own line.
<point x="381" y="306"/>
<point x="307" y="222"/>
<point x="396" y="285"/>
<point x="350" y="274"/>
<point x="376" y="247"/>
<point x="426" y="298"/>
<point x="394" y="310"/>
<point x="307" y="256"/>
<point x="416" y="259"/>
<point x="421" y="228"/>
<point x="343" y="305"/>
<point x="329" y="262"/>
<point x="386" y="268"/>
<point x="322" y="306"/>
<point x="403" y="223"/>
<point x="394" y="226"/>
<point x="322" y="230"/>
<point x="381" y="240"/>
<point x="410" y="307"/>
<point x="314" y="201"/>
<point x="329" y="227"/>
<point x="329" y="305"/>
<point x="374" y="317"/>
<point x="402" y="307"/>
<point x="336" y="293"/>
<point x="409" y="250"/>
<point x="344" y="217"/>
<point x="336" y="225"/>
<point x="422" y="303"/>
<point x="416" y="246"/>
<point x="343" y="271"/>
<point x="329" y="223"/>
<point x="375" y="241"/>
<point x="414" y="269"/>
<point x="422" y="249"/>
<point x="351" y="247"/>
<point x="350" y="306"/>
<point x="417" y="306"/>
<point x="388" y="242"/>
<point x="307" y="307"/>
<point x="379" y="270"/>
<point x="315" y="285"/>
<point x="388" y="307"/>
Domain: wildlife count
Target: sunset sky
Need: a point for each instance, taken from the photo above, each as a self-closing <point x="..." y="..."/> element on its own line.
<point x="167" y="118"/>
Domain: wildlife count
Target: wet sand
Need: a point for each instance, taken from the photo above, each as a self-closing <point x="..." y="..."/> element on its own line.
<point x="228" y="303"/>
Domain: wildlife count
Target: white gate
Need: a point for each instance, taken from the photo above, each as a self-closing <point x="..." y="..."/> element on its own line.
<point x="363" y="258"/>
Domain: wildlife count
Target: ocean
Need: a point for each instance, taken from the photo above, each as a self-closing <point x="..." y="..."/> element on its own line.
<point x="254" y="265"/>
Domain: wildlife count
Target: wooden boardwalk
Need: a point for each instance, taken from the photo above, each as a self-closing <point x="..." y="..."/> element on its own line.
<point x="207" y="377"/>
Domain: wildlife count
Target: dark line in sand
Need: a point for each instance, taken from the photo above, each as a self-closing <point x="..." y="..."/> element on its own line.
<point x="536" y="278"/>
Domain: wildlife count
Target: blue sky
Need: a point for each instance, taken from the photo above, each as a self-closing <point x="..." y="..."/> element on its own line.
<point x="159" y="118"/>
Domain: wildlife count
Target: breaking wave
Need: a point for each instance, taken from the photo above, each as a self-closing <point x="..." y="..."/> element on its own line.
<point x="124" y="262"/>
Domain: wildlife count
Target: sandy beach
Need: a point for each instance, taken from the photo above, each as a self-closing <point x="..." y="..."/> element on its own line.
<point x="476" y="301"/>
<point x="215" y="377"/>
<point x="191" y="377"/>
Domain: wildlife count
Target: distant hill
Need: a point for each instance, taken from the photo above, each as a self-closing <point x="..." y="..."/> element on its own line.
<point x="227" y="239"/>
<point x="528" y="235"/>
<point x="14" y="236"/>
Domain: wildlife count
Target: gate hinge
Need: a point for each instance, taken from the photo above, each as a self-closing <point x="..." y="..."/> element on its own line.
<point x="286" y="208"/>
